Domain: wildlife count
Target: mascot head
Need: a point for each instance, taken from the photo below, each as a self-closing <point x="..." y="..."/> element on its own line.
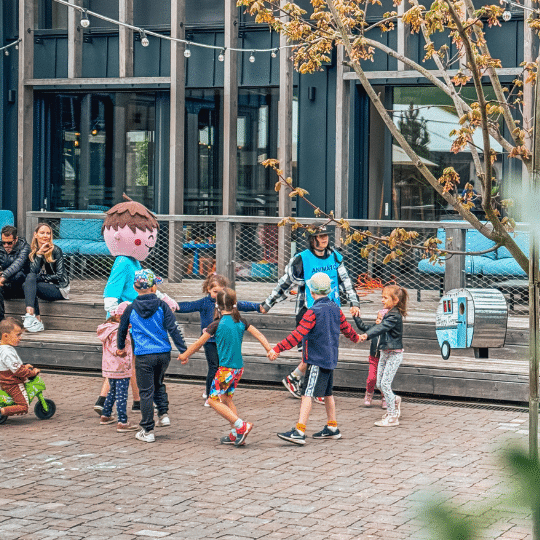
<point x="130" y="229"/>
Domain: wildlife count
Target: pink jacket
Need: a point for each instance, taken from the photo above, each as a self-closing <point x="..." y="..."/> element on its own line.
<point x="114" y="367"/>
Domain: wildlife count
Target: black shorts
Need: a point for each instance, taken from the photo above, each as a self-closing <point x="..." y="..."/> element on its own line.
<point x="318" y="382"/>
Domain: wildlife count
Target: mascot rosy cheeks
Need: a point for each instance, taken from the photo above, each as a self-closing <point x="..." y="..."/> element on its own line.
<point x="130" y="232"/>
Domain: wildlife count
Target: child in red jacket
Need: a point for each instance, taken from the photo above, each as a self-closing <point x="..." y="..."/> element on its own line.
<point x="13" y="373"/>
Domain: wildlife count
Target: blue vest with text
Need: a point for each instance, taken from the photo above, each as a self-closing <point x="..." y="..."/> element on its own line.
<point x="329" y="266"/>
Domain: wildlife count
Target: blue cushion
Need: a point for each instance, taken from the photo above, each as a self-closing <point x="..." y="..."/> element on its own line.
<point x="94" y="248"/>
<point x="521" y="239"/>
<point x="6" y="218"/>
<point x="473" y="265"/>
<point x="426" y="267"/>
<point x="503" y="267"/>
<point x="476" y="241"/>
<point x="69" y="246"/>
<point x="81" y="229"/>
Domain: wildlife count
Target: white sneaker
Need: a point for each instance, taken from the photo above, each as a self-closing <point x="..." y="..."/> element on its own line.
<point x="32" y="324"/>
<point x="204" y="395"/>
<point x="163" y="421"/>
<point x="145" y="436"/>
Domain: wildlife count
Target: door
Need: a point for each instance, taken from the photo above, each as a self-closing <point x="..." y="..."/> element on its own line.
<point x="462" y="323"/>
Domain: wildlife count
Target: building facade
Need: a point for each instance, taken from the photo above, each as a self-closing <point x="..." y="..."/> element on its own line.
<point x="91" y="112"/>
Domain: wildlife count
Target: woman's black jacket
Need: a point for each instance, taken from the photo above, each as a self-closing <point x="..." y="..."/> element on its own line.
<point x="54" y="272"/>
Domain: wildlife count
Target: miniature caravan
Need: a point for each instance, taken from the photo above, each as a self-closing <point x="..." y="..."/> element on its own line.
<point x="471" y="318"/>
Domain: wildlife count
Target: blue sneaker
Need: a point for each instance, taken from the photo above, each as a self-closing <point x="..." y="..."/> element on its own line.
<point x="327" y="433"/>
<point x="293" y="436"/>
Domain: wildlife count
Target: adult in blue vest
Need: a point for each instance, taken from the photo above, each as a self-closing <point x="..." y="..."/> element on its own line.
<point x="319" y="257"/>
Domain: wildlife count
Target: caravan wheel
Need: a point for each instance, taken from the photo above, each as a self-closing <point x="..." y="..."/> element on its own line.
<point x="445" y="350"/>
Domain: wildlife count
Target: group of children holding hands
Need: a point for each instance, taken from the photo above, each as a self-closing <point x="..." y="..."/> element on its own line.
<point x="147" y="348"/>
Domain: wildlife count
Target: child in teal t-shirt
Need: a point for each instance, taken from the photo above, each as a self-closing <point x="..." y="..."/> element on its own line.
<point x="229" y="332"/>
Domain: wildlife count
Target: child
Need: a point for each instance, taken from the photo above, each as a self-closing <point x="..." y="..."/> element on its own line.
<point x="374" y="354"/>
<point x="13" y="373"/>
<point x="151" y="319"/>
<point x="229" y="332"/>
<point x="319" y="329"/>
<point x="394" y="299"/>
<point x="117" y="370"/>
<point x="205" y="306"/>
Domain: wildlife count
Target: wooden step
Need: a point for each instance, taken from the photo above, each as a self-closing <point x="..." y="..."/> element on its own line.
<point x="459" y="376"/>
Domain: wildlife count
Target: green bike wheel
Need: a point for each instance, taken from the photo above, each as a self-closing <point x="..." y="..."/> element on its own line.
<point x="41" y="413"/>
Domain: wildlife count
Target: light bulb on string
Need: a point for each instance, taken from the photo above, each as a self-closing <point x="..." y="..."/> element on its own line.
<point x="221" y="56"/>
<point x="507" y="15"/>
<point x="17" y="47"/>
<point x="252" y="57"/>
<point x="144" y="39"/>
<point x="273" y="54"/>
<point x="6" y="52"/>
<point x="187" y="52"/>
<point x="85" y="21"/>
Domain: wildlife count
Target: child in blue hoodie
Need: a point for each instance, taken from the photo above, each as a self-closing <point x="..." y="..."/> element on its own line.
<point x="151" y="320"/>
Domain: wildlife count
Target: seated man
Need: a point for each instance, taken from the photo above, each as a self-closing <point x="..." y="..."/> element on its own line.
<point x="14" y="266"/>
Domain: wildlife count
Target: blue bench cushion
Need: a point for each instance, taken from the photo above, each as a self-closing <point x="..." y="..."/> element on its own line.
<point x="6" y="218"/>
<point x="88" y="230"/>
<point x="68" y="245"/>
<point x="503" y="267"/>
<point x="94" y="248"/>
<point x="522" y="240"/>
<point x="473" y="265"/>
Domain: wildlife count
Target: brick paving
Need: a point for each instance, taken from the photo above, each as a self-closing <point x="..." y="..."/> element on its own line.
<point x="68" y="477"/>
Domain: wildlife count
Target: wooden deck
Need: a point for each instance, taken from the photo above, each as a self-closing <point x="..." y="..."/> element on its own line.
<point x="70" y="342"/>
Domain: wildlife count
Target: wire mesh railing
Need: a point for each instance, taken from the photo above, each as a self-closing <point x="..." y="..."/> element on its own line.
<point x="187" y="248"/>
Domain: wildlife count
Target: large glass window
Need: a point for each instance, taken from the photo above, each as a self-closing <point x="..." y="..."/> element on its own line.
<point x="257" y="140"/>
<point x="98" y="146"/>
<point x="203" y="149"/>
<point x="426" y="117"/>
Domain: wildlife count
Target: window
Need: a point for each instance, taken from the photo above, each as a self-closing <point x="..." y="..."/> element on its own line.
<point x="426" y="117"/>
<point x="98" y="146"/>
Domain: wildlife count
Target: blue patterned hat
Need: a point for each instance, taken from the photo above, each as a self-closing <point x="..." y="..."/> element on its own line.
<point x="145" y="278"/>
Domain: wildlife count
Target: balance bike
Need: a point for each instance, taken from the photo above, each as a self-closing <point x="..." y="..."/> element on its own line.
<point x="44" y="408"/>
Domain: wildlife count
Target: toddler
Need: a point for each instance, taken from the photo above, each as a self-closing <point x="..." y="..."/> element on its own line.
<point x="13" y="373"/>
<point x="118" y="370"/>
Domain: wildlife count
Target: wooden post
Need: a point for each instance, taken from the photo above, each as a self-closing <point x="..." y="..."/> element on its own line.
<point x="75" y="40"/>
<point x="284" y="145"/>
<point x="454" y="275"/>
<point x="341" y="182"/>
<point x="125" y="38"/>
<point x="176" y="163"/>
<point x="225" y="230"/>
<point x="25" y="120"/>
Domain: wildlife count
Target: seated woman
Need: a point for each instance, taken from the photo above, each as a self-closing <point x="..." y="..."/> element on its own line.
<point x="47" y="278"/>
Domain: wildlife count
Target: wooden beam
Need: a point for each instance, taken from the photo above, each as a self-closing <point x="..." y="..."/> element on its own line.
<point x="176" y="144"/>
<point x="25" y="115"/>
<point x="341" y="183"/>
<point x="125" y="39"/>
<point x="225" y="231"/>
<point x="75" y="40"/>
<point x="285" y="146"/>
<point x="103" y="82"/>
<point x="411" y="74"/>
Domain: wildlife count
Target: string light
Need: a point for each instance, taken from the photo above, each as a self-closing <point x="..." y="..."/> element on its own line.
<point x="273" y="54"/>
<point x="221" y="56"/>
<point x="507" y="15"/>
<point x="85" y="21"/>
<point x="252" y="57"/>
<point x="144" y="39"/>
<point x="5" y="48"/>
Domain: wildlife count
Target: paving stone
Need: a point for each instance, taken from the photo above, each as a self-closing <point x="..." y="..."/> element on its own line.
<point x="370" y="484"/>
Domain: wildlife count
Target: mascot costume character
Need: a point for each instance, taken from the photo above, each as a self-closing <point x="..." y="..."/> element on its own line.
<point x="130" y="232"/>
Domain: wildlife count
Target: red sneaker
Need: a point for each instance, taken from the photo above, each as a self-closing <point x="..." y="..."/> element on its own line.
<point x="242" y="433"/>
